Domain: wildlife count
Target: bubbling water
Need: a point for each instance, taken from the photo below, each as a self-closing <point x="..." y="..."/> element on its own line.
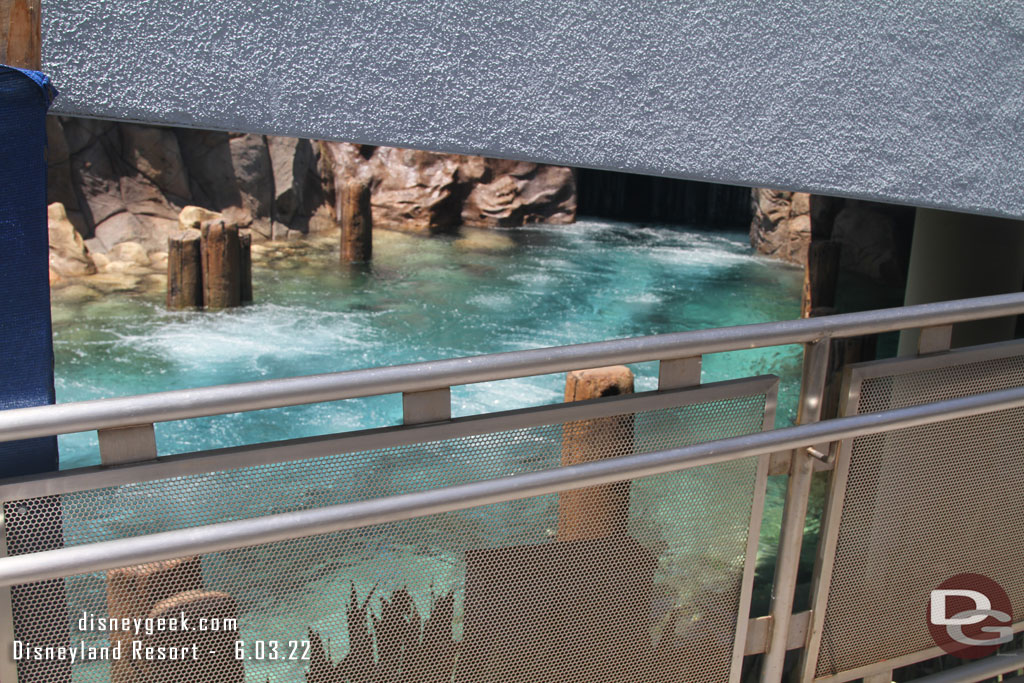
<point x="424" y="299"/>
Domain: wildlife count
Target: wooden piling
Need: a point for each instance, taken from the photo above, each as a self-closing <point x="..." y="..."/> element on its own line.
<point x="356" y="219"/>
<point x="245" y="262"/>
<point x="184" y="270"/>
<point x="821" y="272"/>
<point x="132" y="592"/>
<point x="821" y="277"/>
<point x="214" y="647"/>
<point x="20" y="33"/>
<point x="222" y="284"/>
<point x="597" y="511"/>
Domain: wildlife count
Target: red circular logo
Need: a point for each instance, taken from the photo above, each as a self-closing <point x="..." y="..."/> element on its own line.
<point x="969" y="616"/>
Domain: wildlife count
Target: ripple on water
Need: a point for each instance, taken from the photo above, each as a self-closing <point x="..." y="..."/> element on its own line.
<point x="422" y="299"/>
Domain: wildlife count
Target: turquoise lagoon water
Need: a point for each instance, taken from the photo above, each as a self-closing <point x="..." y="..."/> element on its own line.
<point x="421" y="299"/>
<point x="425" y="299"/>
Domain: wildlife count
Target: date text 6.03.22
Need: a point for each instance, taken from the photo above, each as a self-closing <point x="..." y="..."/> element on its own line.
<point x="272" y="650"/>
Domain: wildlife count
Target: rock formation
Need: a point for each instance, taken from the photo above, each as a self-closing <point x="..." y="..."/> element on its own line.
<point x="874" y="237"/>
<point x="125" y="182"/>
<point x="426" y="192"/>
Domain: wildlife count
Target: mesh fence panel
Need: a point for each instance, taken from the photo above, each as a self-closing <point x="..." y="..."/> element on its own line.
<point x="636" y="580"/>
<point x="921" y="505"/>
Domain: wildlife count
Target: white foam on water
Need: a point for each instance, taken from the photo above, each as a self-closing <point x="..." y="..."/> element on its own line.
<point x="647" y="297"/>
<point x="491" y="300"/>
<point x="258" y="334"/>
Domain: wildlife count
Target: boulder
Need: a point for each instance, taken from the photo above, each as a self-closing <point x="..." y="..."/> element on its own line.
<point x="425" y="192"/>
<point x="93" y="146"/>
<point x="874" y="238"/>
<point x="781" y="225"/>
<point x="130" y="252"/>
<point x="254" y="176"/>
<point x="191" y="217"/>
<point x="59" y="185"/>
<point x="297" y="184"/>
<point x="869" y="239"/>
<point x="153" y="151"/>
<point x="415" y="191"/>
<point x="69" y="256"/>
<point x="513" y="193"/>
<point x="211" y="172"/>
<point x="149" y="231"/>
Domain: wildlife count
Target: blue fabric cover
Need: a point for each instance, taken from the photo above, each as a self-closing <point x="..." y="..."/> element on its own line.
<point x="26" y="340"/>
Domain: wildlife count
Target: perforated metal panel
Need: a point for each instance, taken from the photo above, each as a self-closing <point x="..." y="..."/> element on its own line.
<point x="640" y="580"/>
<point x="919" y="506"/>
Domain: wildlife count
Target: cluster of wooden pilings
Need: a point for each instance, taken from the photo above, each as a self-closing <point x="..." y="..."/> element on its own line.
<point x="209" y="261"/>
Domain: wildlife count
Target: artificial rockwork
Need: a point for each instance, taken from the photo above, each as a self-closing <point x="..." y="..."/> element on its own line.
<point x="426" y="193"/>
<point x="874" y="238"/>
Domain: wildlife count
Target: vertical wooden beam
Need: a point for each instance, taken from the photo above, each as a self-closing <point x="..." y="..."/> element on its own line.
<point x="184" y="270"/>
<point x="222" y="267"/>
<point x="821" y="273"/>
<point x="597" y="511"/>
<point x="245" y="265"/>
<point x="356" y="218"/>
<point x="21" y="34"/>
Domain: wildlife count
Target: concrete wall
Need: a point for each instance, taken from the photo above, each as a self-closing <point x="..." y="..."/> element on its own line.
<point x="908" y="101"/>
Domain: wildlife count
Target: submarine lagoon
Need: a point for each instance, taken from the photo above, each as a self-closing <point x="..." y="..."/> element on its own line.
<point x="481" y="291"/>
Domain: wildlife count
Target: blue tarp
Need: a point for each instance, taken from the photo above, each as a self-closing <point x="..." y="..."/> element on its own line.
<point x="26" y="341"/>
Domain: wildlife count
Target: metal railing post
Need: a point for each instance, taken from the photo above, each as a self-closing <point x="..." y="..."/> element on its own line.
<point x="8" y="667"/>
<point x="801" y="472"/>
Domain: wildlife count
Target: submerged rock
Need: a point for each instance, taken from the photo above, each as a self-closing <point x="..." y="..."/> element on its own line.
<point x="473" y="239"/>
<point x="69" y="257"/>
<point x="132" y="252"/>
<point x="76" y="294"/>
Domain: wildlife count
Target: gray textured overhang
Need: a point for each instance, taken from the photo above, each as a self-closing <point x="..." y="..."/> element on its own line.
<point x="914" y="101"/>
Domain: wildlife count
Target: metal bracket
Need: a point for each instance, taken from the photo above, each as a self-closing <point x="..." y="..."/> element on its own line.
<point x="432" y="405"/>
<point x="122" y="445"/>
<point x="679" y="373"/>
<point x="779" y="463"/>
<point x="824" y="456"/>
<point x="934" y="339"/>
<point x="883" y="677"/>
<point x="759" y="632"/>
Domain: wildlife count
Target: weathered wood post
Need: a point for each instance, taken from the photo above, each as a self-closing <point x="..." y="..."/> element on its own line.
<point x="245" y="261"/>
<point x="222" y="283"/>
<point x="21" y="34"/>
<point x="821" y="272"/>
<point x="209" y="262"/>
<point x="132" y="592"/>
<point x="184" y="270"/>
<point x="598" y="511"/>
<point x="213" y="648"/>
<point x="356" y="219"/>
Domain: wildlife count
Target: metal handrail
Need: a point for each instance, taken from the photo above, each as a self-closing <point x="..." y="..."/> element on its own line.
<point x="52" y="564"/>
<point x="26" y="423"/>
